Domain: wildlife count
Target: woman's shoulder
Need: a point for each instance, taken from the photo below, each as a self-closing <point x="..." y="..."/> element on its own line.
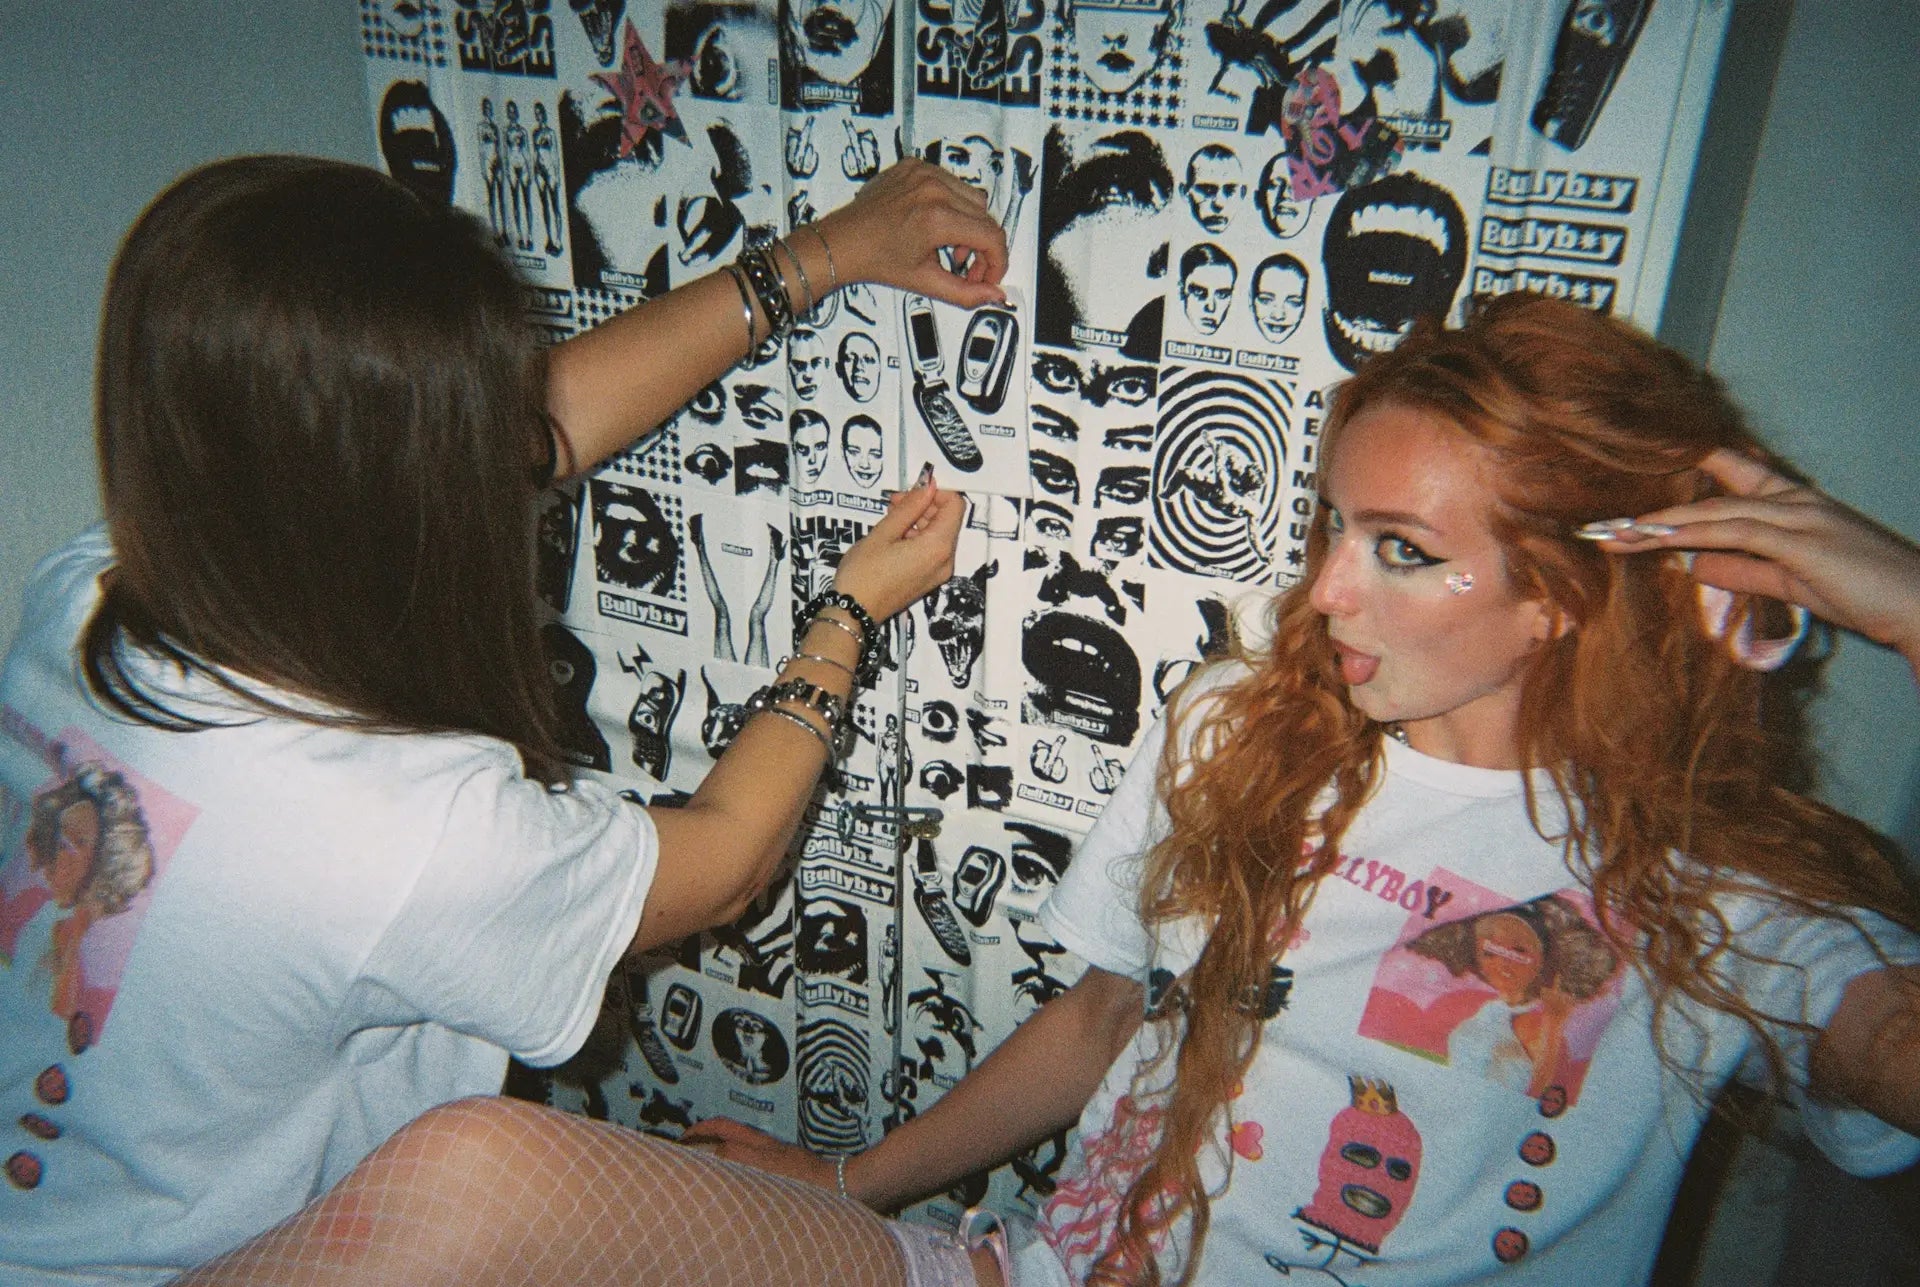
<point x="65" y="583"/>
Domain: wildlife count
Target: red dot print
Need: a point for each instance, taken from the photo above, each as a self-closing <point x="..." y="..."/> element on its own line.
<point x="39" y="1127"/>
<point x="1523" y="1195"/>
<point x="24" y="1169"/>
<point x="51" y="1085"/>
<point x="1537" y="1149"/>
<point x="1509" y="1245"/>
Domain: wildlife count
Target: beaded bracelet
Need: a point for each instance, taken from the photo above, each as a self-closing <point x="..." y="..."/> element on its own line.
<point x="840" y="1174"/>
<point x="868" y="666"/>
<point x="833" y="277"/>
<point x="746" y="302"/>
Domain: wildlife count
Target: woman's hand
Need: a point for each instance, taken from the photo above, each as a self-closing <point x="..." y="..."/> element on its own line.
<point x="1795" y="543"/>
<point x="907" y="554"/>
<point x="736" y="1142"/>
<point x="894" y="230"/>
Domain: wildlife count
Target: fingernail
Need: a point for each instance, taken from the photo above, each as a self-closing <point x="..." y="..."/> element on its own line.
<point x="1652" y="529"/>
<point x="926" y="475"/>
<point x="1595" y="532"/>
<point x="1603" y="528"/>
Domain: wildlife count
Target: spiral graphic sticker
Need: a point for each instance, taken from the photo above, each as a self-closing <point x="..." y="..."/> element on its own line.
<point x="1219" y="473"/>
<point x="834" y="1072"/>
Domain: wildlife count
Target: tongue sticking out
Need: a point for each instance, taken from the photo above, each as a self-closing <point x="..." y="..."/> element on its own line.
<point x="1355" y="667"/>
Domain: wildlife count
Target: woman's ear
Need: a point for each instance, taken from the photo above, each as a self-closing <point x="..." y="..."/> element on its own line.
<point x="1550" y="621"/>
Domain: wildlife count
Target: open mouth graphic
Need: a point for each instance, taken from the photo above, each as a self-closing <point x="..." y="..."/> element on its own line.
<point x="1395" y="250"/>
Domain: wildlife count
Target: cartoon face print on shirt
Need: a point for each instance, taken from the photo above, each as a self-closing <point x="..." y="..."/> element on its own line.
<point x="1519" y="993"/>
<point x="1368" y="1171"/>
<point x="76" y="873"/>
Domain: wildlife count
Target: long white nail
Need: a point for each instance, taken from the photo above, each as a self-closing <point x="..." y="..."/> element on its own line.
<point x="1651" y="529"/>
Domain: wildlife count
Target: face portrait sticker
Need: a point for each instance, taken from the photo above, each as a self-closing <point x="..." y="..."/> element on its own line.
<point x="1278" y="297"/>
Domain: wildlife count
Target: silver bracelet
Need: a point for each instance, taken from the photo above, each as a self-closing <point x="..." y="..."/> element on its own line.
<point x="746" y="300"/>
<point x="840" y="1174"/>
<point x="859" y="639"/>
<point x="800" y="268"/>
<point x="814" y="656"/>
<point x="803" y="723"/>
<point x="833" y="277"/>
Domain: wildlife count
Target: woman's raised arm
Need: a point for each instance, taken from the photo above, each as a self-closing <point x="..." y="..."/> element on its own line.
<point x="1772" y="536"/>
<point x="609" y="386"/>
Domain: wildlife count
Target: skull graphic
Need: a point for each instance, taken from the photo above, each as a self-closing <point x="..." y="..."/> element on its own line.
<point x="957" y="621"/>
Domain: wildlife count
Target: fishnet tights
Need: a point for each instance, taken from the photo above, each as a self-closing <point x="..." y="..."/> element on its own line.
<point x="501" y="1193"/>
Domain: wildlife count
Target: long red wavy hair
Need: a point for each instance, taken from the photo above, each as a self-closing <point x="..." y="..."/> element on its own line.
<point x="1651" y="733"/>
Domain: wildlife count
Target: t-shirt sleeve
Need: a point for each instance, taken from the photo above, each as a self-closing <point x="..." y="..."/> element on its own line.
<point x="1094" y="911"/>
<point x="1798" y="967"/>
<point x="519" y="915"/>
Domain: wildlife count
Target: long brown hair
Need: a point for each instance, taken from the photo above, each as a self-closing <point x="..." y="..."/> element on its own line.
<point x="318" y="406"/>
<point x="1650" y="732"/>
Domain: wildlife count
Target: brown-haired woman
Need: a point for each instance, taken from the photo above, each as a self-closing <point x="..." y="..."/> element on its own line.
<point x="304" y="653"/>
<point x="1492" y="702"/>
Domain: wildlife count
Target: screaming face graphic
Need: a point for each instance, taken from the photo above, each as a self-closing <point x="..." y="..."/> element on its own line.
<point x="416" y="142"/>
<point x="1395" y="250"/>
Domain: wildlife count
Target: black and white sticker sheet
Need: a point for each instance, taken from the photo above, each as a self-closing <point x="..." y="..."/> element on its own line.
<point x="1215" y="210"/>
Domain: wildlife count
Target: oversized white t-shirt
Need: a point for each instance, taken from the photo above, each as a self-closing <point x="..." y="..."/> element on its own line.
<point x="318" y="935"/>
<point x="1458" y="1082"/>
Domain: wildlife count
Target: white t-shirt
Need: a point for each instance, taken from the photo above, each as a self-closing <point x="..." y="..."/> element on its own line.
<point x="322" y="934"/>
<point x="1423" y="1108"/>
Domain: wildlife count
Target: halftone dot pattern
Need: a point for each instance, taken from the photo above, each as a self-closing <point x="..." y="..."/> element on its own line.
<point x="593" y="306"/>
<point x="379" y="40"/>
<point x="502" y="1193"/>
<point x="653" y="459"/>
<point x="1154" y="102"/>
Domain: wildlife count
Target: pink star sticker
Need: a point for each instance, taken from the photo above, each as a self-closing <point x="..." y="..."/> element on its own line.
<point x="644" y="90"/>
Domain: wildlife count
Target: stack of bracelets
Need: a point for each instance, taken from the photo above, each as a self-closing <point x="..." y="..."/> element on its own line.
<point x="759" y="274"/>
<point x="836" y="711"/>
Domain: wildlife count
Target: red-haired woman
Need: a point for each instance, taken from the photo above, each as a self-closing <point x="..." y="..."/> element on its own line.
<point x="1493" y="703"/>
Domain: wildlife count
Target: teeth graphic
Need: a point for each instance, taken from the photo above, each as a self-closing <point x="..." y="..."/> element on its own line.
<point x="1408" y="221"/>
<point x="1364" y="335"/>
<point x="413" y="118"/>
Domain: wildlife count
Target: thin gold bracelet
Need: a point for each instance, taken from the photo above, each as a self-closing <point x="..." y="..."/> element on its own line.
<point x="859" y="639"/>
<point x="814" y="656"/>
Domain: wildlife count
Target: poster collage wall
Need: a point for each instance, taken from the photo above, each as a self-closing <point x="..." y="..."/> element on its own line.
<point x="1215" y="208"/>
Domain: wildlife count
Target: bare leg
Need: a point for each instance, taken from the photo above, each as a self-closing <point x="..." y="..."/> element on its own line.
<point x="722" y="616"/>
<point x="757" y="652"/>
<point x="502" y="1193"/>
